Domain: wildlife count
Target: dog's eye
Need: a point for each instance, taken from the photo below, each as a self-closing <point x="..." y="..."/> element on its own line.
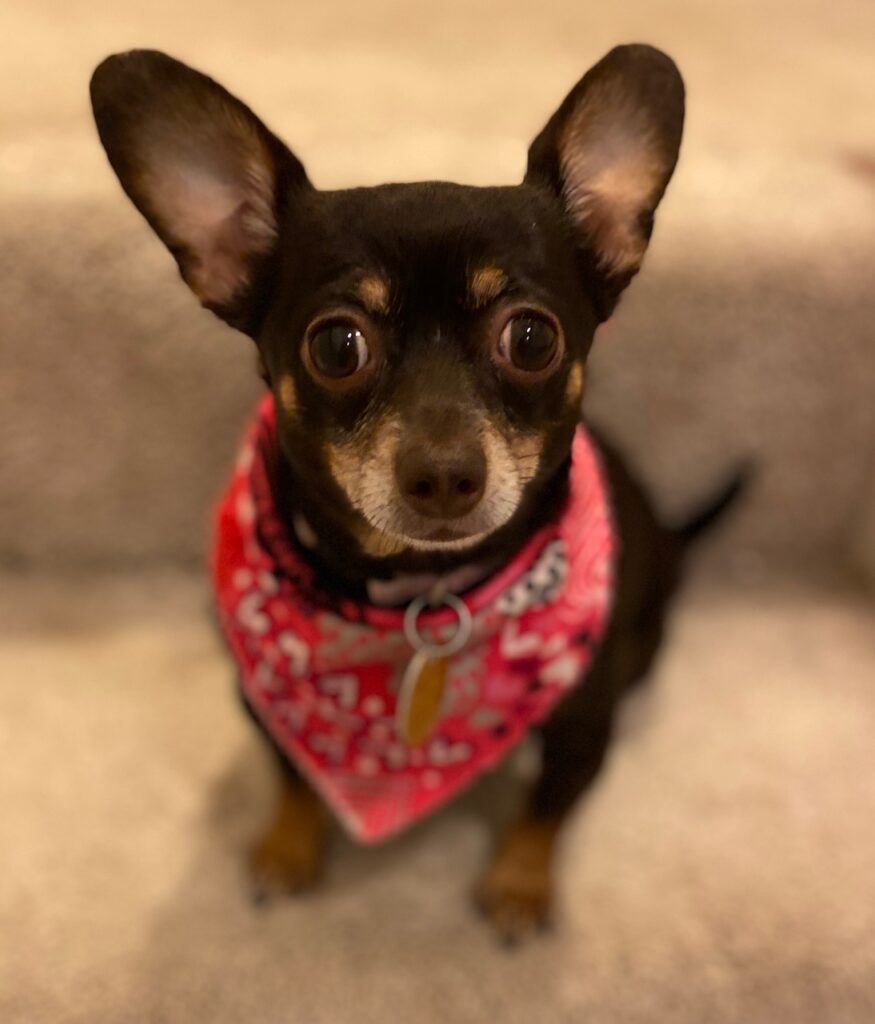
<point x="529" y="342"/>
<point x="338" y="349"/>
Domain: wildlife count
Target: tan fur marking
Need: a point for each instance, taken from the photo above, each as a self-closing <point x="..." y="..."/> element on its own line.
<point x="374" y="294"/>
<point x="574" y="387"/>
<point x="516" y="891"/>
<point x="377" y="544"/>
<point x="349" y="465"/>
<point x="288" y="856"/>
<point x="526" y="450"/>
<point x="288" y="393"/>
<point x="485" y="284"/>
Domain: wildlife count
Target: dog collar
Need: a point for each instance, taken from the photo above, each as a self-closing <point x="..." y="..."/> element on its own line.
<point x="326" y="675"/>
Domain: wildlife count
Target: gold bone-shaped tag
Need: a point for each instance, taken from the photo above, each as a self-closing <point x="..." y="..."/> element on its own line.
<point x="420" y="697"/>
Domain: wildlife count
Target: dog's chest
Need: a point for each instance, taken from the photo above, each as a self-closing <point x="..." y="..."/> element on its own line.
<point x="333" y="684"/>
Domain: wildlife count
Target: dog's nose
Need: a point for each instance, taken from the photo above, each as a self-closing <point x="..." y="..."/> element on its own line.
<point x="441" y="485"/>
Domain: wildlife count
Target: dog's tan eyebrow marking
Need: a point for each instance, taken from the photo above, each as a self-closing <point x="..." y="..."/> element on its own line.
<point x="485" y="284"/>
<point x="373" y="292"/>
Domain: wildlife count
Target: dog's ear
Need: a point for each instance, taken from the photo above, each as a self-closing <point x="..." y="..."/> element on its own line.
<point x="608" y="153"/>
<point x="202" y="169"/>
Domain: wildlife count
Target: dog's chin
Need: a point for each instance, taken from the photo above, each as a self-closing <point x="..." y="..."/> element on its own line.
<point x="439" y="535"/>
<point x="445" y="539"/>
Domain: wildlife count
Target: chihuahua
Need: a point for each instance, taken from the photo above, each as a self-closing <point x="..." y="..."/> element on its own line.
<point x="423" y="553"/>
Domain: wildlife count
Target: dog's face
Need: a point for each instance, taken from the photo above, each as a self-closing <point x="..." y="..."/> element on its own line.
<point x="425" y="346"/>
<point x="425" y="343"/>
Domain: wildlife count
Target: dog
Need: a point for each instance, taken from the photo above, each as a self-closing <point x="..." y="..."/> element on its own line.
<point x="424" y="348"/>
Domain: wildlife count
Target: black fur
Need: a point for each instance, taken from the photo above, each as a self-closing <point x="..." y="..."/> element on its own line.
<point x="269" y="253"/>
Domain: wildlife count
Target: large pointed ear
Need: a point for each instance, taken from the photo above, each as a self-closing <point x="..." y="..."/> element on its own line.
<point x="202" y="169"/>
<point x="608" y="154"/>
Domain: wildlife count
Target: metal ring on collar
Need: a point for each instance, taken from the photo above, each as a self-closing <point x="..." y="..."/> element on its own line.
<point x="447" y="647"/>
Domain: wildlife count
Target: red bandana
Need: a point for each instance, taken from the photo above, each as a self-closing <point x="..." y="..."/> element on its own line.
<point x="323" y="674"/>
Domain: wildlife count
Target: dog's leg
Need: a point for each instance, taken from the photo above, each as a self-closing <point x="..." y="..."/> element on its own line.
<point x="287" y="858"/>
<point x="516" y="890"/>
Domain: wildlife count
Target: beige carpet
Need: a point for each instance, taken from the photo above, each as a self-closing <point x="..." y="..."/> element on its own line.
<point x="722" y="872"/>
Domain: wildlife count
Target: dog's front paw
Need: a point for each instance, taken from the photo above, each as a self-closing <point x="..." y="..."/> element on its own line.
<point x="282" y="868"/>
<point x="287" y="859"/>
<point x="516" y="892"/>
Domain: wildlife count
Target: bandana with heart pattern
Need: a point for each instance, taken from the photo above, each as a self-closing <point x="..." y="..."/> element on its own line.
<point x="322" y="672"/>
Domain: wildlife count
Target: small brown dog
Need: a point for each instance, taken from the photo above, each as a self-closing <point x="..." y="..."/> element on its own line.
<point x="425" y="349"/>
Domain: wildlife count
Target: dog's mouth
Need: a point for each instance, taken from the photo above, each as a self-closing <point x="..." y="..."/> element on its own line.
<point x="444" y="534"/>
<point x="444" y="539"/>
<point x="395" y="522"/>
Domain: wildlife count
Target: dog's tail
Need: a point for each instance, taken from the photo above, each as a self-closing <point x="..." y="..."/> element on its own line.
<point x="715" y="507"/>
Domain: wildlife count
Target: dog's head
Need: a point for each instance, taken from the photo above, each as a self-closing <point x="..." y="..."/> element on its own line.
<point x="425" y="343"/>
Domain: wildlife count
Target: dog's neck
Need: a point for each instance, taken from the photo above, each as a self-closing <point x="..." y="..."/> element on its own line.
<point x="402" y="587"/>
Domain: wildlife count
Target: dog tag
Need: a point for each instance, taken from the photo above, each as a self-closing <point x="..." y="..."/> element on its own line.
<point x="421" y="697"/>
<point x="421" y="694"/>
